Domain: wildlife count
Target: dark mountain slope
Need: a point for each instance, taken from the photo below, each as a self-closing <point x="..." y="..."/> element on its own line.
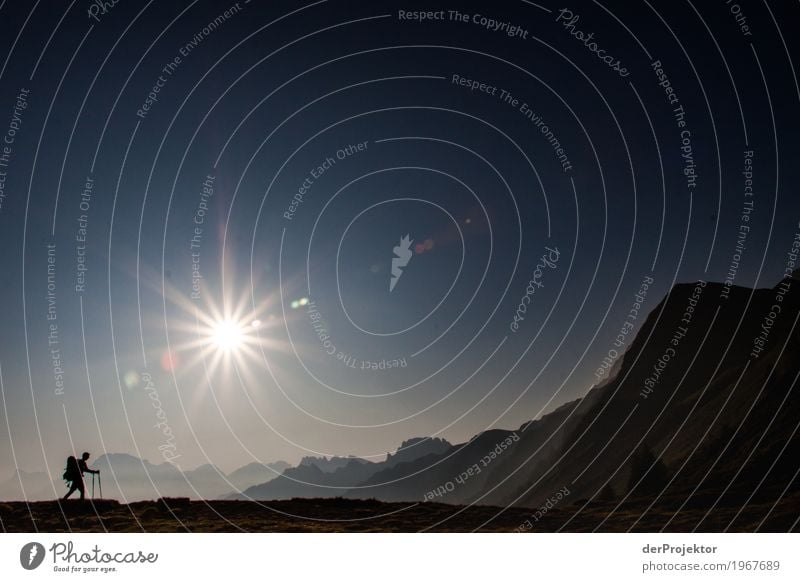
<point x="698" y="401"/>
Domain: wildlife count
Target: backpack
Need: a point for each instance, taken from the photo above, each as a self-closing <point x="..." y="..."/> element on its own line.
<point x="73" y="471"/>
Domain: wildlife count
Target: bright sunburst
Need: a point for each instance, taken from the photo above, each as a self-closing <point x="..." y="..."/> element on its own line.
<point x="228" y="335"/>
<point x="232" y="337"/>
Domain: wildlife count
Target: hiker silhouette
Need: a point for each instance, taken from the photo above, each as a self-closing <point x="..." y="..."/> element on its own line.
<point x="73" y="474"/>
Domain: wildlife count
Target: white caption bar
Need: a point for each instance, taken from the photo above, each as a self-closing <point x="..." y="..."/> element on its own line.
<point x="416" y="557"/>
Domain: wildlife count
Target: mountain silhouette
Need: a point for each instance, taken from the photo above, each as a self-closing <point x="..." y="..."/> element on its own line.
<point x="329" y="464"/>
<point x="688" y="416"/>
<point x="256" y="473"/>
<point x="129" y="478"/>
<point x="30" y="486"/>
<point x="699" y="412"/>
<point x="716" y="424"/>
<point x="415" y="448"/>
<point x="311" y="479"/>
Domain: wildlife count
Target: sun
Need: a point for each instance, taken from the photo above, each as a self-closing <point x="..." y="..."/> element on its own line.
<point x="228" y="335"/>
<point x="232" y="336"/>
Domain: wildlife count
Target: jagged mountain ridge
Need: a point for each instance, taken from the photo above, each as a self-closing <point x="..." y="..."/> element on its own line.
<point x="717" y="418"/>
<point x="684" y="412"/>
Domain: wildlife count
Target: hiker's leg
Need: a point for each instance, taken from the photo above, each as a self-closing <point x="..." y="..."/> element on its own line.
<point x="71" y="491"/>
<point x="82" y="489"/>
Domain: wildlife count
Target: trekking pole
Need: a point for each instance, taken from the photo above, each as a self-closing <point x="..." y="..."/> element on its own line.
<point x="100" y="483"/>
<point x="92" y="485"/>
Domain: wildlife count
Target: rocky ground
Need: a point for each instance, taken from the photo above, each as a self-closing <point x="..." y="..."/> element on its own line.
<point x="344" y="515"/>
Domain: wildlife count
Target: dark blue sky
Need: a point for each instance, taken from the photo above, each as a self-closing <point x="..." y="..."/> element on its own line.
<point x="352" y="119"/>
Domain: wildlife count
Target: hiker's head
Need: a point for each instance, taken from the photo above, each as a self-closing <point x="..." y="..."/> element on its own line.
<point x="85" y="456"/>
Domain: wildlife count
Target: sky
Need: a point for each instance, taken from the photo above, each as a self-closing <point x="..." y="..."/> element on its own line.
<point x="203" y="206"/>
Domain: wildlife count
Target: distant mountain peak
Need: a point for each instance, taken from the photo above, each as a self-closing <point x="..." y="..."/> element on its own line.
<point x="330" y="464"/>
<point x="417" y="447"/>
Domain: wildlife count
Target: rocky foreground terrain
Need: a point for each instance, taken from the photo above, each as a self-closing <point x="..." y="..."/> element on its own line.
<point x="346" y="515"/>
